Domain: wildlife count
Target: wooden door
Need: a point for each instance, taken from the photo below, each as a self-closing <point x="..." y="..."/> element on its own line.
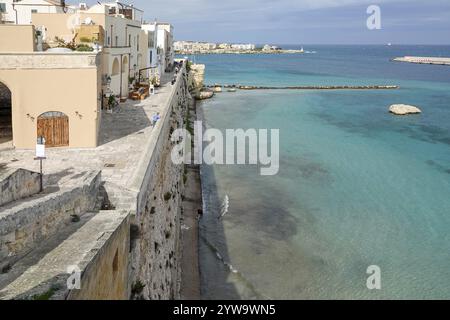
<point x="54" y="127"/>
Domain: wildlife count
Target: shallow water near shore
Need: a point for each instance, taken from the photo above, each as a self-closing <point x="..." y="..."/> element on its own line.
<point x="357" y="186"/>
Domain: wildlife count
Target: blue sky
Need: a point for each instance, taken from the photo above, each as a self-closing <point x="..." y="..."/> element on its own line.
<point x="303" y="21"/>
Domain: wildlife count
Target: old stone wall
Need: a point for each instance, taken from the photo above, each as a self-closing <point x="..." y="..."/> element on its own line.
<point x="196" y="78"/>
<point x="23" y="225"/>
<point x="155" y="239"/>
<point x="105" y="277"/>
<point x="131" y="252"/>
<point x="18" y="184"/>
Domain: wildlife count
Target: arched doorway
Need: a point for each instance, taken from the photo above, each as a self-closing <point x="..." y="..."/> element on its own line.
<point x="5" y="114"/>
<point x="115" y="67"/>
<point x="54" y="127"/>
<point x="114" y="86"/>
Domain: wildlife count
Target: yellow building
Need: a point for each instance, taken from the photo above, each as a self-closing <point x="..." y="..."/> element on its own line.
<point x="48" y="90"/>
<point x="50" y="94"/>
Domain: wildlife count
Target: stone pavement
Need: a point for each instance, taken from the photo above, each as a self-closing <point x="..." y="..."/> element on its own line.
<point x="123" y="138"/>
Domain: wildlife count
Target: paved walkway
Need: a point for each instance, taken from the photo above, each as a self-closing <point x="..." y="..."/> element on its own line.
<point x="123" y="138"/>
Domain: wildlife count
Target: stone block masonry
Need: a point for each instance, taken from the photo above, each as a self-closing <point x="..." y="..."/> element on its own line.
<point x="156" y="249"/>
<point x="132" y="251"/>
<point x="18" y="184"/>
<point x="99" y="249"/>
<point x="24" y="224"/>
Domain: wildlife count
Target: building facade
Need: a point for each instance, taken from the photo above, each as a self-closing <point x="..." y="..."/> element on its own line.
<point x="114" y="27"/>
<point x="19" y="12"/>
<point x="55" y="95"/>
<point x="58" y="70"/>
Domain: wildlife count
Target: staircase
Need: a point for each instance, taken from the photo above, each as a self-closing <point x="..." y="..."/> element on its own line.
<point x="84" y="238"/>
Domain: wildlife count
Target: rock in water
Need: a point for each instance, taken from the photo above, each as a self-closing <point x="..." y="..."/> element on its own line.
<point x="217" y="89"/>
<point x="404" y="109"/>
<point x="205" y="95"/>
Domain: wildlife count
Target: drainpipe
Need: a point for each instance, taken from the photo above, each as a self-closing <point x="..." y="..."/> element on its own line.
<point x="121" y="75"/>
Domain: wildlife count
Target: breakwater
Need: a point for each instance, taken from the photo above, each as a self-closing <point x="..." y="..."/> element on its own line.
<point x="252" y="87"/>
<point x="424" y="60"/>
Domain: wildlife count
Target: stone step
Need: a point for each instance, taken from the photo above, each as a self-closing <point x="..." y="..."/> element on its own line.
<point x="47" y="274"/>
<point x="25" y="222"/>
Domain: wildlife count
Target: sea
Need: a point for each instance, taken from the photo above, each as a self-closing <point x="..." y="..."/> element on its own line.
<point x="358" y="188"/>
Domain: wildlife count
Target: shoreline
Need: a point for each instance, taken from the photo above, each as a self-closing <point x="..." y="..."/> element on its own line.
<point x="344" y="87"/>
<point x="192" y="202"/>
<point x="240" y="52"/>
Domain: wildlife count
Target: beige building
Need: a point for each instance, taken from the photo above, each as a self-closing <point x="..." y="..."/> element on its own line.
<point x="57" y="73"/>
<point x="114" y="27"/>
<point x="55" y="95"/>
<point x="19" y="12"/>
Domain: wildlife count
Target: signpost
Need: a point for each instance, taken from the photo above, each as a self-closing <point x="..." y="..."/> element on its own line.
<point x="40" y="155"/>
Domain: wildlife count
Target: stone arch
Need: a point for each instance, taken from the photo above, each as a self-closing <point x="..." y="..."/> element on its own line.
<point x="125" y="64"/>
<point x="115" y="67"/>
<point x="6" y="132"/>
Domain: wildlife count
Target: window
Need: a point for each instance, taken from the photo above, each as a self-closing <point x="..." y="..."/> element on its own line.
<point x="137" y="47"/>
<point x="34" y="11"/>
<point x="129" y="40"/>
<point x="2" y="7"/>
<point x="117" y="41"/>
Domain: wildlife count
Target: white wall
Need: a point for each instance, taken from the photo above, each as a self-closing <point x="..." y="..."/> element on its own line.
<point x="25" y="8"/>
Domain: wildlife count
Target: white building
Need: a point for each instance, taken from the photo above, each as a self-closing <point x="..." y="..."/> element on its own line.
<point x="270" y="48"/>
<point x="194" y="46"/>
<point x="164" y="40"/>
<point x="19" y="12"/>
<point x="239" y="46"/>
<point x="164" y="43"/>
<point x="155" y="59"/>
<point x="123" y="53"/>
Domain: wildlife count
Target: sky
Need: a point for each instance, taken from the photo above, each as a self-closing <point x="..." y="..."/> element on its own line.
<point x="302" y="21"/>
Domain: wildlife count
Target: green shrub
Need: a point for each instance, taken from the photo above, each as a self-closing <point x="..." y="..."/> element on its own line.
<point x="84" y="48"/>
<point x="46" y="295"/>
<point x="188" y="65"/>
<point x="85" y="39"/>
<point x="167" y="196"/>
<point x="137" y="287"/>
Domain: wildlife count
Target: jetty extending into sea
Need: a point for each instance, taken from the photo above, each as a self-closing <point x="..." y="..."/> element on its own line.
<point x="424" y="60"/>
<point x="341" y="87"/>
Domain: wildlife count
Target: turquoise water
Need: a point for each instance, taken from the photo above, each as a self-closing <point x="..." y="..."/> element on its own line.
<point x="357" y="186"/>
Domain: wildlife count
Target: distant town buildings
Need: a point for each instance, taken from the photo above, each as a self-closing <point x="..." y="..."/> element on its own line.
<point x="190" y="47"/>
<point x="243" y="46"/>
<point x="66" y="63"/>
<point x="196" y="46"/>
<point x="267" y="48"/>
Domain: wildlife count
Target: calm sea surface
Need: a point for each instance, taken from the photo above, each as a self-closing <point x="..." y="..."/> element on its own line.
<point x="357" y="186"/>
